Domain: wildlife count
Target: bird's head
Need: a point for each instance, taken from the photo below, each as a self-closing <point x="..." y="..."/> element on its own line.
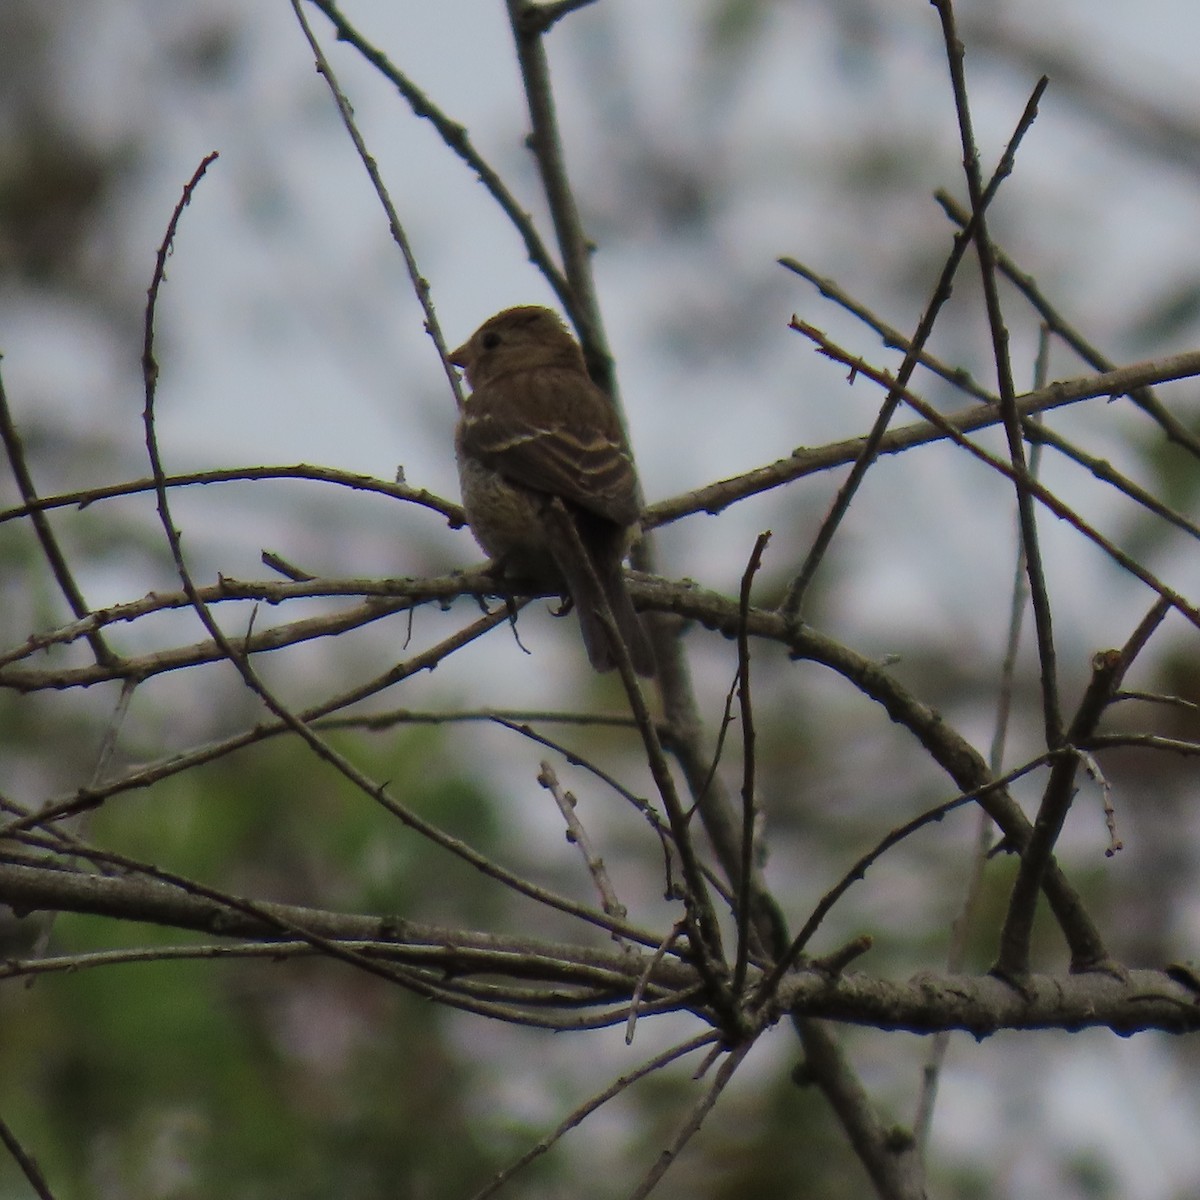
<point x="517" y="339"/>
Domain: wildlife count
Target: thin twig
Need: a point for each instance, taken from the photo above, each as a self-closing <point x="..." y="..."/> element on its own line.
<point x="749" y="763"/>
<point x="1156" y="698"/>
<point x="363" y="483"/>
<point x="893" y="338"/>
<point x="45" y="534"/>
<point x="635" y="999"/>
<point x="794" y="600"/>
<point x="692" y="1125"/>
<point x="1097" y="776"/>
<point x="1039" y="597"/>
<point x="1109" y="668"/>
<point x="1025" y="283"/>
<point x="576" y="1117"/>
<point x="578" y="836"/>
<point x="419" y="283"/>
<point x="1101" y="469"/>
<point x="456" y="137"/>
<point x="1031" y="486"/>
<point x="931" y="816"/>
<point x="653" y="818"/>
<point x="714" y="498"/>
<point x="29" y="1167"/>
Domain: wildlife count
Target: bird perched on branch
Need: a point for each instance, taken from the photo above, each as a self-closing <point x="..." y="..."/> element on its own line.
<point x="547" y="479"/>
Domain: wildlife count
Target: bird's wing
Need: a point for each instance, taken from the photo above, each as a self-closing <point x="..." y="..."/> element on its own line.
<point x="556" y="432"/>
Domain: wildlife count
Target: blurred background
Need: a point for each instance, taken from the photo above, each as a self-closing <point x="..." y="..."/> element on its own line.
<point x="706" y="138"/>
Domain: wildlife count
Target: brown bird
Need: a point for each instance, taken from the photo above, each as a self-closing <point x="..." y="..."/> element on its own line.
<point x="536" y="430"/>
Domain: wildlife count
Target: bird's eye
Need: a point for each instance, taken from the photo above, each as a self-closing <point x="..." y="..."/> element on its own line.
<point x="490" y="340"/>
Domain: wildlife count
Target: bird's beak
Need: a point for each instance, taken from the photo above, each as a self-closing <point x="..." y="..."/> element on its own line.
<point x="461" y="356"/>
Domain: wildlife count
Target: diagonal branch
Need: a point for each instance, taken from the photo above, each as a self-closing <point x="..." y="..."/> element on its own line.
<point x="691" y="1126"/>
<point x="26" y="1162"/>
<point x="458" y="140"/>
<point x="573" y="1119"/>
<point x="1025" y="283"/>
<point x="749" y="766"/>
<point x="1035" y="431"/>
<point x="419" y="283"/>
<point x="1109" y="668"/>
<point x="715" y="497"/>
<point x="574" y="245"/>
<point x="45" y="535"/>
<point x="794" y="600"/>
<point x="1039" y="598"/>
<point x="1032" y="486"/>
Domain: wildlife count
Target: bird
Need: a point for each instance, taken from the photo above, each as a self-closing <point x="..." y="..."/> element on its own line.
<point x="548" y="482"/>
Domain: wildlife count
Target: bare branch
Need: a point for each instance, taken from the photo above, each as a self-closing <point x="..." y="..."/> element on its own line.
<point x="576" y="1118"/>
<point x="45" y="534"/>
<point x="872" y="443"/>
<point x="29" y="1167"/>
<point x="749" y="764"/>
<point x="1030" y="485"/>
<point x="419" y="283"/>
<point x="458" y="140"/>
<point x="715" y="497"/>
<point x="1141" y="395"/>
<point x="692" y="1125"/>
<point x="1108" y="671"/>
<point x="363" y="483"/>
<point x="578" y="836"/>
<point x="1039" y="598"/>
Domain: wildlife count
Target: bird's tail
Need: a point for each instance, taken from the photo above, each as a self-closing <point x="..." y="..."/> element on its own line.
<point x="597" y="639"/>
<point x="596" y="580"/>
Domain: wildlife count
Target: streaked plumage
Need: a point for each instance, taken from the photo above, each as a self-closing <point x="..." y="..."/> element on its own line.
<point x="536" y="427"/>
